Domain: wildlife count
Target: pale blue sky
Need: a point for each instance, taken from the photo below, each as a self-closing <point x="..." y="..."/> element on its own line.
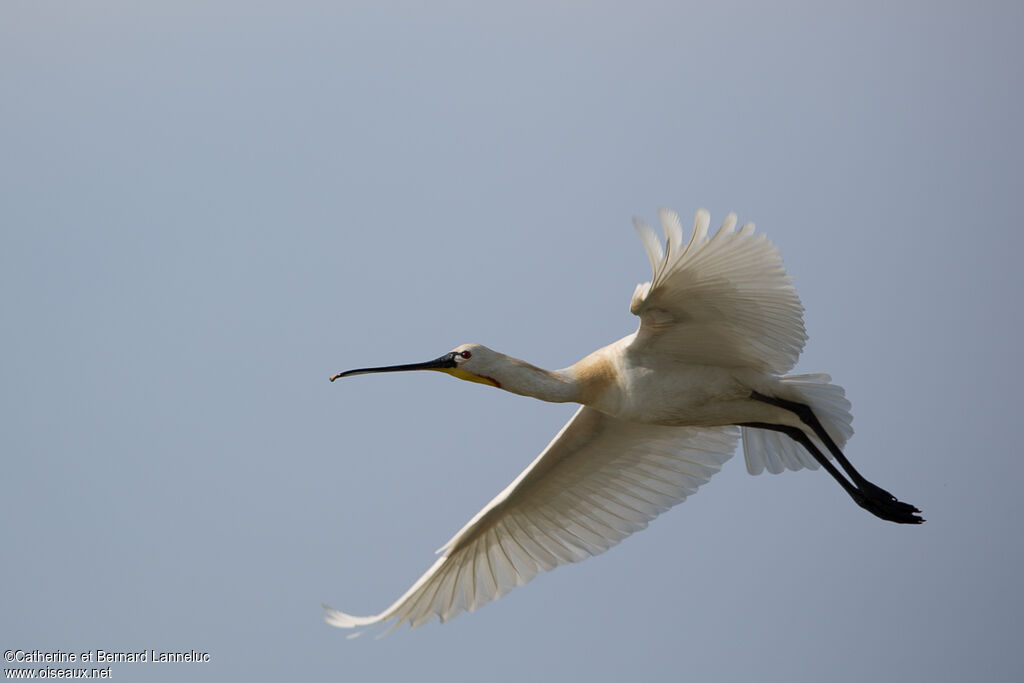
<point x="208" y="208"/>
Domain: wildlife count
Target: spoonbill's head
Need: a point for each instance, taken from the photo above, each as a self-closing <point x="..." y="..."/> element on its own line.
<point x="471" y="362"/>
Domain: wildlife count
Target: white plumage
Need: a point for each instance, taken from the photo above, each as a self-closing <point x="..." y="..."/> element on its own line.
<point x="662" y="411"/>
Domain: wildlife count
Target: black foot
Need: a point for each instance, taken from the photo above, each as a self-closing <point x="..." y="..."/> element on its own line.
<point x="880" y="494"/>
<point x="881" y="503"/>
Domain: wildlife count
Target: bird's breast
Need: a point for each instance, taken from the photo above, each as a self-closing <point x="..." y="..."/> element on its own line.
<point x="597" y="377"/>
<point x="670" y="394"/>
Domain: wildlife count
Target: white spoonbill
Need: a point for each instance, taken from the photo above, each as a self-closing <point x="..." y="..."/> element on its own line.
<point x="662" y="409"/>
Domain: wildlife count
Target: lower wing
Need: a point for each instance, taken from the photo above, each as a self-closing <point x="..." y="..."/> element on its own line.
<point x="599" y="480"/>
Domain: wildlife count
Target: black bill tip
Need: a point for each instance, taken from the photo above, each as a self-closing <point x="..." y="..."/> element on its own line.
<point x="445" y="361"/>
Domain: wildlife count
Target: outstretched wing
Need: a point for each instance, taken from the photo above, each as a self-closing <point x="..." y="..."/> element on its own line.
<point x="599" y="480"/>
<point x="723" y="300"/>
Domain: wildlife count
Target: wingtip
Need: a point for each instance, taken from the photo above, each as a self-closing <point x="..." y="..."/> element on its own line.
<point x="666" y="214"/>
<point x="335" y="618"/>
<point x="673" y="228"/>
<point x="729" y="224"/>
<point x="342" y="620"/>
<point x="650" y="241"/>
<point x="701" y="222"/>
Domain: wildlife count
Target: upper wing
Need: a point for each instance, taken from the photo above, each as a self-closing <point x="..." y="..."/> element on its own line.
<point x="724" y="300"/>
<point x="599" y="480"/>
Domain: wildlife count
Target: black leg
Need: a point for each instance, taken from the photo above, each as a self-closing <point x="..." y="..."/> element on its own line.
<point x="801" y="438"/>
<point x="869" y="496"/>
<point x="808" y="417"/>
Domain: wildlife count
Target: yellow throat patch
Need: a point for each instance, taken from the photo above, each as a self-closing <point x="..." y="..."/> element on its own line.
<point x="470" y="377"/>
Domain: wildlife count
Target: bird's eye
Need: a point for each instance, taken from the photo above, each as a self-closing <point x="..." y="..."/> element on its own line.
<point x="465" y="354"/>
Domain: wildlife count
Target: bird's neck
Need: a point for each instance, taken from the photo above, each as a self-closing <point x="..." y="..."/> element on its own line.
<point x="591" y="381"/>
<point x="556" y="386"/>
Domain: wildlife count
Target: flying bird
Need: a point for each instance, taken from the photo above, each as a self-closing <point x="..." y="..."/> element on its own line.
<point x="661" y="411"/>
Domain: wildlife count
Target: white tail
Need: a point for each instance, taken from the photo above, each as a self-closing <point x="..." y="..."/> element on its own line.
<point x="775" y="452"/>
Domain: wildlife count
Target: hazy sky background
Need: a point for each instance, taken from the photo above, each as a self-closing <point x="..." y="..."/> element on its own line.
<point x="209" y="208"/>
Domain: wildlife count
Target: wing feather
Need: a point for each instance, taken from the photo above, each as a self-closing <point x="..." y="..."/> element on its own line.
<point x="597" y="482"/>
<point x="724" y="300"/>
<point x="651" y="243"/>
